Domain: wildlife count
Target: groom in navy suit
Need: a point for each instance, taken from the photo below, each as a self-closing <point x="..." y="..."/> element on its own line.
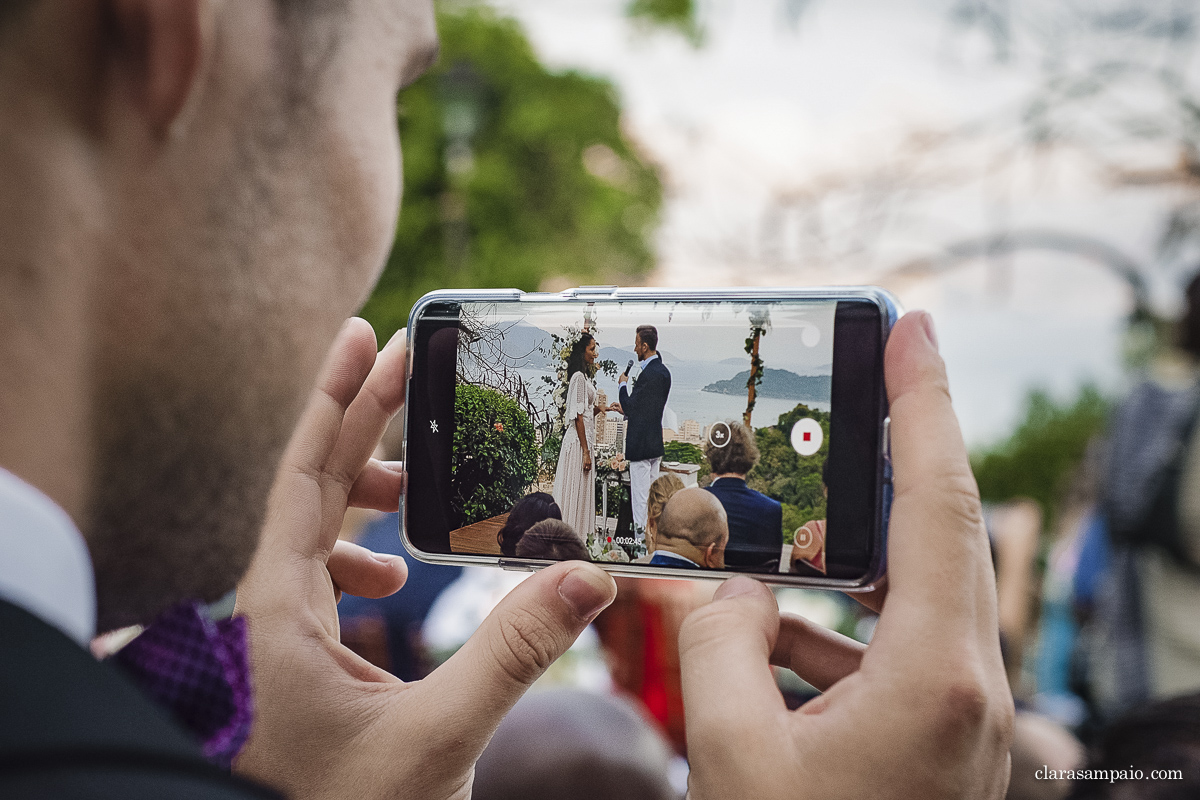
<point x="643" y="408"/>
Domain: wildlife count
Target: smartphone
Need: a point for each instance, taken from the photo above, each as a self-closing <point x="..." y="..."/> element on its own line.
<point x="656" y="432"/>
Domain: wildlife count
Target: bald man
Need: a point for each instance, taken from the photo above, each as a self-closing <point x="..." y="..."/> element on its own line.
<point x="692" y="531"/>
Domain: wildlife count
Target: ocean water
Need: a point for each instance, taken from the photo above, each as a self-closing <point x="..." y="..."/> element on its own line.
<point x="689" y="402"/>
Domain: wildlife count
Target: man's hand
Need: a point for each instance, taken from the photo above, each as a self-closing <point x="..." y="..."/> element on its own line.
<point x="925" y="710"/>
<point x="328" y="723"/>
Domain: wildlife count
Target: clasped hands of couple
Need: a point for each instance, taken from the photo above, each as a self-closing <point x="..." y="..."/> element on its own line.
<point x="924" y="711"/>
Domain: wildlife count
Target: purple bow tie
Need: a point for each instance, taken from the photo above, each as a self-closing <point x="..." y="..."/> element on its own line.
<point x="198" y="669"/>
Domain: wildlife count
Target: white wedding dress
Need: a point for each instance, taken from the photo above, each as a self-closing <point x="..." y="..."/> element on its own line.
<point x="574" y="489"/>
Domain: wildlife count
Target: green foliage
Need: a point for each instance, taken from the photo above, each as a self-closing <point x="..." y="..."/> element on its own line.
<point x="494" y="458"/>
<point x="512" y="174"/>
<point x="785" y="475"/>
<point x="677" y="15"/>
<point x="1037" y="460"/>
<point x="686" y="453"/>
<point x="794" y="518"/>
<point x="551" y="446"/>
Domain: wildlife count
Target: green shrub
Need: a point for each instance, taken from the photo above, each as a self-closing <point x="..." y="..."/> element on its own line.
<point x="686" y="453"/>
<point x="1038" y="459"/>
<point x="495" y="455"/>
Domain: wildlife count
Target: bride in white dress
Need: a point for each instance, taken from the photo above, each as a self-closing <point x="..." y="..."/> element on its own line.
<point x="575" y="478"/>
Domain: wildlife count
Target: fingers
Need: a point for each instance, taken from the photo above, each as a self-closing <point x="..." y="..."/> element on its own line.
<point x="358" y="571"/>
<point x="872" y="598"/>
<point x="535" y="624"/>
<point x="381" y="396"/>
<point x="349" y="362"/>
<point x="937" y="546"/>
<point x="379" y="486"/>
<point x="297" y="495"/>
<point x="724" y="651"/>
<point x="818" y="655"/>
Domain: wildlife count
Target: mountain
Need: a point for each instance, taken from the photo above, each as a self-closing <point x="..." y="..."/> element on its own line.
<point x="779" y="383"/>
<point x="616" y="354"/>
<point x="524" y="345"/>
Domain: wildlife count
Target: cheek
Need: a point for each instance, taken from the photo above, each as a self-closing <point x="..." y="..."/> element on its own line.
<point x="363" y="198"/>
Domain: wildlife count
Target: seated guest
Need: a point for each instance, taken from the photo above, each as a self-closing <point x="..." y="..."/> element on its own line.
<point x="528" y="511"/>
<point x="552" y="540"/>
<point x="570" y="744"/>
<point x="660" y="492"/>
<point x="755" y="520"/>
<point x="692" y="532"/>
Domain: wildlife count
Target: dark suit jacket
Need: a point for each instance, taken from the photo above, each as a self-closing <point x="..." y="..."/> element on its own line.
<point x="72" y="727"/>
<point x="660" y="560"/>
<point x="643" y="407"/>
<point x="755" y="526"/>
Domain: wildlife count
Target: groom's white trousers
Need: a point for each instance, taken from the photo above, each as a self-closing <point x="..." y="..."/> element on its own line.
<point x="641" y="475"/>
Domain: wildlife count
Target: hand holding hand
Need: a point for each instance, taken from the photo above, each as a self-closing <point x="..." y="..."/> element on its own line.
<point x="925" y="710"/>
<point x="615" y="407"/>
<point x="809" y="542"/>
<point x="328" y="723"/>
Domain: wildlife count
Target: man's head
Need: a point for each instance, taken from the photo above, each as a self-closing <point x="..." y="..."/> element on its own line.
<point x="645" y="341"/>
<point x="194" y="194"/>
<point x="694" y="525"/>
<point x="738" y="456"/>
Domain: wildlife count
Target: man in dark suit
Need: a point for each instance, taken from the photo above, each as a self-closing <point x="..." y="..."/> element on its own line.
<point x="692" y="532"/>
<point x="196" y="196"/>
<point x="643" y="408"/>
<point x="755" y="520"/>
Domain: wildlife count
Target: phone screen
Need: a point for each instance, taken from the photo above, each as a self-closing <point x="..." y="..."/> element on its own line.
<point x="684" y="435"/>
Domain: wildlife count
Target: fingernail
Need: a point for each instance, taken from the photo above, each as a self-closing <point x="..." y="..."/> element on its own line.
<point x="384" y="558"/>
<point x="393" y="466"/>
<point x="736" y="587"/>
<point x="588" y="591"/>
<point x="930" y="332"/>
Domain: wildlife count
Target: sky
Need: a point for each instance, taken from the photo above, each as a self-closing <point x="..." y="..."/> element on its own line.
<point x="867" y="136"/>
<point x="800" y="338"/>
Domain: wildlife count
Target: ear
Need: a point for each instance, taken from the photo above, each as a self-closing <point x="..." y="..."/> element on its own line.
<point x="156" y="48"/>
<point x="709" y="556"/>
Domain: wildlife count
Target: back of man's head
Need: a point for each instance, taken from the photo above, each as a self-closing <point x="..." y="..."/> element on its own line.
<point x="567" y="744"/>
<point x="1160" y="738"/>
<point x="197" y="195"/>
<point x="695" y="516"/>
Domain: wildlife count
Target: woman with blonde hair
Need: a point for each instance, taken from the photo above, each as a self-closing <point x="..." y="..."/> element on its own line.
<point x="660" y="492"/>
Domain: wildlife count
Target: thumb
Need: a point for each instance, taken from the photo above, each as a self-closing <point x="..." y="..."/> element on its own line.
<point x="725" y="650"/>
<point x="535" y="624"/>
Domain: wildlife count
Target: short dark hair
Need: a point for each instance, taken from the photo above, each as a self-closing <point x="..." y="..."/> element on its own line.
<point x="737" y="457"/>
<point x="553" y="540"/>
<point x="1161" y="735"/>
<point x="1189" y="326"/>
<point x="527" y="512"/>
<point x="649" y="336"/>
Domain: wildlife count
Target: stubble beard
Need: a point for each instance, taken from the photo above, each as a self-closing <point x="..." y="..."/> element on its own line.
<point x="180" y="482"/>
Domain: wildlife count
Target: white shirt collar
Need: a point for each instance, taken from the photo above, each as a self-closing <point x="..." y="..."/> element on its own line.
<point x="45" y="567"/>
<point x="642" y="364"/>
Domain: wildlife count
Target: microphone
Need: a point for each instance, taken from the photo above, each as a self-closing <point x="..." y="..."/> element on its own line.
<point x="628" y="367"/>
